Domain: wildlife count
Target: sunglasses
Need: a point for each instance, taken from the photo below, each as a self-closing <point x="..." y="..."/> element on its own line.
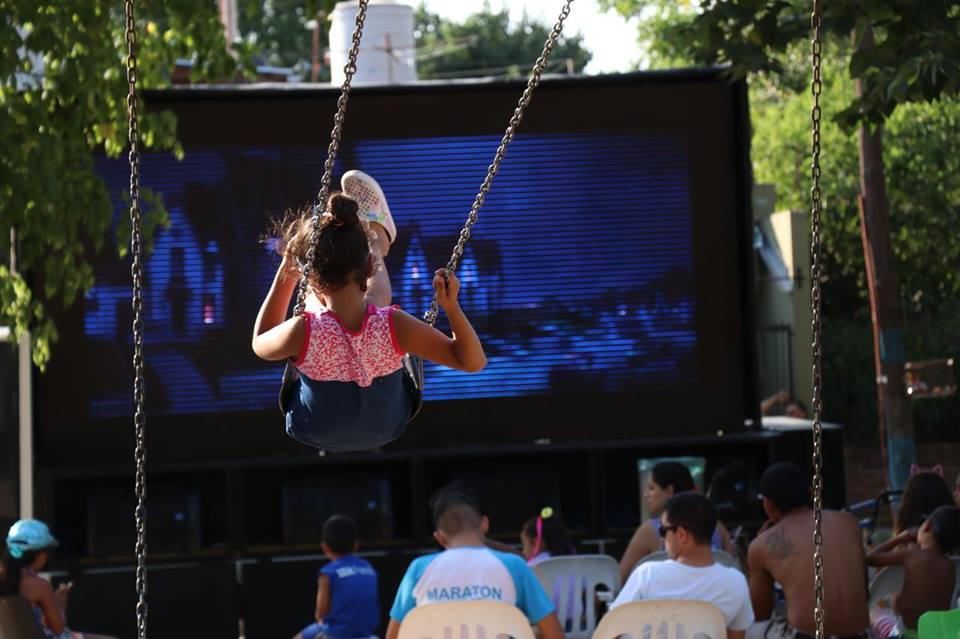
<point x="665" y="529"/>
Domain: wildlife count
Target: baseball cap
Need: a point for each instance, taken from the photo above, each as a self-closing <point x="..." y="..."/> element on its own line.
<point x="28" y="535"/>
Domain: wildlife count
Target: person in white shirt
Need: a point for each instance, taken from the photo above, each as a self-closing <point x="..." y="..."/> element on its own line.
<point x="687" y="524"/>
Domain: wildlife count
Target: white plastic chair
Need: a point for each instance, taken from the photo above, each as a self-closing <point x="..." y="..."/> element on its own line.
<point x="465" y="620"/>
<point x="571" y="583"/>
<point x="886" y="583"/>
<point x="722" y="557"/>
<point x="663" y="619"/>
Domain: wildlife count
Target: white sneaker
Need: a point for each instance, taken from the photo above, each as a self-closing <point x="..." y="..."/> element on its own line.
<point x="368" y="194"/>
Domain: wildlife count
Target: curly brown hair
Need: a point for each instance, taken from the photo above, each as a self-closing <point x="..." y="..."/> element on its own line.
<point x="343" y="246"/>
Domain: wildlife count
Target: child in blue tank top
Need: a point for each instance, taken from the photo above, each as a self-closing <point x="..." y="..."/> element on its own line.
<point x="347" y="605"/>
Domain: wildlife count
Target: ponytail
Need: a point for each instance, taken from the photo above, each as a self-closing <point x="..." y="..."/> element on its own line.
<point x="548" y="534"/>
<point x="342" y="244"/>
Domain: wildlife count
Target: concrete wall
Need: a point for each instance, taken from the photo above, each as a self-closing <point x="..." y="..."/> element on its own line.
<point x="783" y="299"/>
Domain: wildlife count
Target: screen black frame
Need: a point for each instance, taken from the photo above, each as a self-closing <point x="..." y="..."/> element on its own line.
<point x="225" y="116"/>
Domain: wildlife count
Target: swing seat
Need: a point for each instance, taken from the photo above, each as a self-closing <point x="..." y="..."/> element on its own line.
<point x="344" y="417"/>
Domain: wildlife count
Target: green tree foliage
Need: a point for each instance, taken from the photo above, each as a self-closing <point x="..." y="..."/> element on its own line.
<point x="488" y="44"/>
<point x="277" y="31"/>
<point x="62" y="98"/>
<point x="484" y="44"/>
<point x="916" y="57"/>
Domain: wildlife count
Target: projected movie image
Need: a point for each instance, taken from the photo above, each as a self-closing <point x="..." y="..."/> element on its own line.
<point x="578" y="275"/>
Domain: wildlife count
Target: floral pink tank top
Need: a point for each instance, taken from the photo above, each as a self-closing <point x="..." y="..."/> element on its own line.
<point x="332" y="352"/>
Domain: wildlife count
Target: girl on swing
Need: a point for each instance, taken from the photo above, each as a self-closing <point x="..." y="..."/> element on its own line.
<point x="349" y="343"/>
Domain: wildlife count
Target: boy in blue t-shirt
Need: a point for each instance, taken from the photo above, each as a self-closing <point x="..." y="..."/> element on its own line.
<point x="347" y="606"/>
<point x="468" y="570"/>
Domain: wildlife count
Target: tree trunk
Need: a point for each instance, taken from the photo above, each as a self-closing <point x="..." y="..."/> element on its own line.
<point x="895" y="417"/>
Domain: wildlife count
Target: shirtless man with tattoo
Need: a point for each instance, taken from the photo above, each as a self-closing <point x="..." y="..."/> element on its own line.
<point x="783" y="553"/>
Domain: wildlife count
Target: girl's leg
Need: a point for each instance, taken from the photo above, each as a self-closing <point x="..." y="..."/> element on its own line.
<point x="379" y="290"/>
<point x="374" y="209"/>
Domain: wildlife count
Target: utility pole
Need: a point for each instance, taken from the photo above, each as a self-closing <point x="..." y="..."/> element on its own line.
<point x="24" y="407"/>
<point x="895" y="419"/>
<point x="228" y="17"/>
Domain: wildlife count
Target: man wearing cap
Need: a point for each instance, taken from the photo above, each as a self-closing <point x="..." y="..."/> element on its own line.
<point x="783" y="554"/>
<point x="28" y="544"/>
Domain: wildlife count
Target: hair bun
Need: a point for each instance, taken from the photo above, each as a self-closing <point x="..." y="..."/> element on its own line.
<point x="343" y="210"/>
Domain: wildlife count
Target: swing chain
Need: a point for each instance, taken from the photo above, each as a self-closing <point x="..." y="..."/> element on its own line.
<point x="136" y="272"/>
<point x="338" y="118"/>
<point x="430" y="317"/>
<point x="815" y="324"/>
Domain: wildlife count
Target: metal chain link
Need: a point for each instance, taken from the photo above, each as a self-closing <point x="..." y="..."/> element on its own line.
<point x="318" y="208"/>
<point x="815" y="324"/>
<point x="136" y="273"/>
<point x="430" y="317"/>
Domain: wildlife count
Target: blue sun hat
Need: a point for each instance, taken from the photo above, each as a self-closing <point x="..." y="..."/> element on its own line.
<point x="28" y="535"/>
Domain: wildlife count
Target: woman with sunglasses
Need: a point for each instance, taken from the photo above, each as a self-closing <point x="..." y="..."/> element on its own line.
<point x="665" y="480"/>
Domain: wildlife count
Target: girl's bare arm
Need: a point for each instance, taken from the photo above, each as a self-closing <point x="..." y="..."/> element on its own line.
<point x="274" y="336"/>
<point x="462" y="351"/>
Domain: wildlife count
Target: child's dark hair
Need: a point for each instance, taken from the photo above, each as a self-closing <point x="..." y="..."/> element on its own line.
<point x="10" y="570"/>
<point x="343" y="247"/>
<point x="924" y="493"/>
<point x="340" y="534"/>
<point x="671" y="473"/>
<point x="552" y="536"/>
<point x="945" y="522"/>
<point x="455" y="510"/>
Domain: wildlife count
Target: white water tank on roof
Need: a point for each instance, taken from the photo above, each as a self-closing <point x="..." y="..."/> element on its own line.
<point x="387" y="52"/>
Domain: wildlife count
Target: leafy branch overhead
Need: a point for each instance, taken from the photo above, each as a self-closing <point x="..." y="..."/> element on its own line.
<point x="63" y="92"/>
<point x="916" y="57"/>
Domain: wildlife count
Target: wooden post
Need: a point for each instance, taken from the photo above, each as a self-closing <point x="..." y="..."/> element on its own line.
<point x="895" y="418"/>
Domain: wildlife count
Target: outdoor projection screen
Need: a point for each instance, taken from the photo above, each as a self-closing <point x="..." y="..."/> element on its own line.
<point x="606" y="276"/>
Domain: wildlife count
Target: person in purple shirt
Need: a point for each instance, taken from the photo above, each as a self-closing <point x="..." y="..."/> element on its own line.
<point x="347" y="604"/>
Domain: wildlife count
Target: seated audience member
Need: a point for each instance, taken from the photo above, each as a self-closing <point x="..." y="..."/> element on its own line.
<point x="29" y="543"/>
<point x="956" y="490"/>
<point x="791" y="407"/>
<point x="543" y="537"/>
<point x="347" y="604"/>
<point x="467" y="570"/>
<point x="687" y="525"/>
<point x="666" y="480"/>
<point x="783" y="553"/>
<point x="925" y="492"/>
<point x="929" y="575"/>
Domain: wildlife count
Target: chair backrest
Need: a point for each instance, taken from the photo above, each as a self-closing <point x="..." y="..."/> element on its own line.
<point x="571" y="582"/>
<point x="724" y="558"/>
<point x="939" y="624"/>
<point x="886" y="583"/>
<point x="658" y="555"/>
<point x="17" y="620"/>
<point x="465" y="620"/>
<point x="663" y="619"/>
<point x="720" y="556"/>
